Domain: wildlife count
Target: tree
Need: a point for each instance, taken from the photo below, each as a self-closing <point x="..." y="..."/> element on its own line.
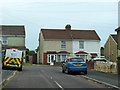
<point x="29" y="51"/>
<point x="36" y="50"/>
<point x="102" y="51"/>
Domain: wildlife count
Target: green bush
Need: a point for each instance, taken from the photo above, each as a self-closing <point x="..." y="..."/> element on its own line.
<point x="118" y="58"/>
<point x="102" y="54"/>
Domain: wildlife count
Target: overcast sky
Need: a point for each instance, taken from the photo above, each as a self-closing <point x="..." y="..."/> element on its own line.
<point x="59" y="0"/>
<point x="81" y="14"/>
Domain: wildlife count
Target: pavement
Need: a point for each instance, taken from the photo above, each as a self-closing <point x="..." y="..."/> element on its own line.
<point x="5" y="74"/>
<point x="49" y="77"/>
<point x="109" y="79"/>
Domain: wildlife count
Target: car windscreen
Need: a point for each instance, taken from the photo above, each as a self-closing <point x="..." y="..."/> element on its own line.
<point x="77" y="60"/>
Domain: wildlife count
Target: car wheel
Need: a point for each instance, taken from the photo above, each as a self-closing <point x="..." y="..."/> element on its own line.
<point x="3" y="67"/>
<point x="85" y="72"/>
<point x="20" y="69"/>
<point x="67" y="71"/>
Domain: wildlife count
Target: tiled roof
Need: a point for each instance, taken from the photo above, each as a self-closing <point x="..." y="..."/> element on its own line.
<point x="69" y="34"/>
<point x="55" y="34"/>
<point x="94" y="54"/>
<point x="4" y="47"/>
<point x="114" y="37"/>
<point x="12" y="30"/>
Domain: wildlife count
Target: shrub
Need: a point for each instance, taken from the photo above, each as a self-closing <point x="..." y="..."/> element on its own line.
<point x="118" y="58"/>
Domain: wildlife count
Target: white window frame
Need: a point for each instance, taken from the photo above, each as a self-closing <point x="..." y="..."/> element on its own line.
<point x="63" y="44"/>
<point x="81" y="44"/>
<point x="61" y="55"/>
<point x="49" y="56"/>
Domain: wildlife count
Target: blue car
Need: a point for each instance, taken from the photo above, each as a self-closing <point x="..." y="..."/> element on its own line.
<point x="74" y="64"/>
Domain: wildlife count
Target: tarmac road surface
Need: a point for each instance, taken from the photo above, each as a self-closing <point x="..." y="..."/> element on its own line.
<point x="42" y="76"/>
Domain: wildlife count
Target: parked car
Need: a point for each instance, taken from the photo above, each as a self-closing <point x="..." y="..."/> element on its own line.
<point x="100" y="60"/>
<point x="74" y="64"/>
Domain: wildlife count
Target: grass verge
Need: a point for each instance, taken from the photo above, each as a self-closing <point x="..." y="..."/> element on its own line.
<point x="27" y="64"/>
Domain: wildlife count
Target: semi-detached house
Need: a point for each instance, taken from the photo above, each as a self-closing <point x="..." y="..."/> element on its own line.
<point x="111" y="48"/>
<point x="58" y="44"/>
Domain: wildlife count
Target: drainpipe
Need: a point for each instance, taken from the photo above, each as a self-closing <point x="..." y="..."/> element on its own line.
<point x="109" y="49"/>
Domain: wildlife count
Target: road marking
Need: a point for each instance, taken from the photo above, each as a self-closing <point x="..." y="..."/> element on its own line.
<point x="90" y="81"/>
<point x="59" y="85"/>
<point x="45" y="77"/>
<point x="12" y="75"/>
<point x="100" y="82"/>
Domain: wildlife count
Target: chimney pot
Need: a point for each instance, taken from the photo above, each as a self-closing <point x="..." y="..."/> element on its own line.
<point x="68" y="27"/>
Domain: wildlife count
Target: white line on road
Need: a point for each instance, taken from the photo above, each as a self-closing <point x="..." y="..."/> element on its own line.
<point x="59" y="85"/>
<point x="100" y="82"/>
<point x="9" y="78"/>
<point x="50" y="77"/>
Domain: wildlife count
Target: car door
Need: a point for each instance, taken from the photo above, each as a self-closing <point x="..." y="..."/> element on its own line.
<point x="66" y="63"/>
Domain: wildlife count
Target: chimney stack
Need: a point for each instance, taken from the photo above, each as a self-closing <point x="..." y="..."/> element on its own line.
<point x="68" y="27"/>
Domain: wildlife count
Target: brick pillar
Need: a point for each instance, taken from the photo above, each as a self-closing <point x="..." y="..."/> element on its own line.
<point x="54" y="62"/>
<point x="45" y="58"/>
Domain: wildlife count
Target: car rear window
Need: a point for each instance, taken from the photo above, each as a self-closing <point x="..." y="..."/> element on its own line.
<point x="77" y="60"/>
<point x="100" y="60"/>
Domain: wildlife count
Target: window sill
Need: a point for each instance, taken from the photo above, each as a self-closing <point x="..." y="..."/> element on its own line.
<point x="4" y="44"/>
<point x="63" y="48"/>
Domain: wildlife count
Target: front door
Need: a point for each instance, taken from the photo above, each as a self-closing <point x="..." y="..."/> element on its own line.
<point x="51" y="58"/>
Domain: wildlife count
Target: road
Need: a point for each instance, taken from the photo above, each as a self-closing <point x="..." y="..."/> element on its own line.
<point x="48" y="77"/>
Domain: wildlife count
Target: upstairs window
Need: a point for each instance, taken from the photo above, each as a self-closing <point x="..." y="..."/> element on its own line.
<point x="63" y="44"/>
<point x="4" y="40"/>
<point x="81" y="44"/>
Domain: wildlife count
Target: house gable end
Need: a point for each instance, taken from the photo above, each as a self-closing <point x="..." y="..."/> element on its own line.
<point x="114" y="38"/>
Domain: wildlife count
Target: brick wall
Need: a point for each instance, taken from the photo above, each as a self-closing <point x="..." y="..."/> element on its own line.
<point x="45" y="59"/>
<point x="106" y="67"/>
<point x="30" y="59"/>
<point x="90" y="65"/>
<point x="58" y="64"/>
